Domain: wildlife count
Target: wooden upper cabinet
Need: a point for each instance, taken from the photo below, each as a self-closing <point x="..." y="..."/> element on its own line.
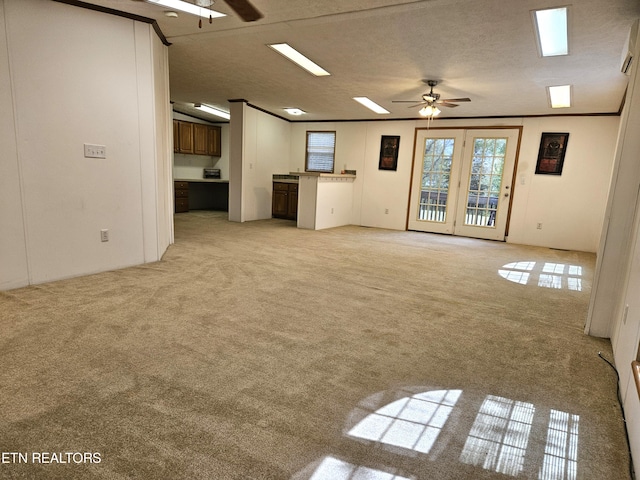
<point x="176" y="136"/>
<point x="214" y="145"/>
<point x="185" y="137"/>
<point x="196" y="138"/>
<point x="200" y="139"/>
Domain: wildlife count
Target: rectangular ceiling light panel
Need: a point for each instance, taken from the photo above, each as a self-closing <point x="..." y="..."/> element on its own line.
<point x="552" y="31"/>
<point x="187" y="7"/>
<point x="213" y="111"/>
<point x="299" y="59"/>
<point x="371" y="105"/>
<point x="560" y="96"/>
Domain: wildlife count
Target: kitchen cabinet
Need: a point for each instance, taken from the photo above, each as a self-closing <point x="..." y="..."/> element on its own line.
<point x="214" y="146"/>
<point x="196" y="138"/>
<point x="176" y="136"/>
<point x="200" y="139"/>
<point x="285" y="200"/>
<point x="185" y="137"/>
<point x="181" y="196"/>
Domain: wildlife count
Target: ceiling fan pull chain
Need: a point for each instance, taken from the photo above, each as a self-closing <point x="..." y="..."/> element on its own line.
<point x="210" y="19"/>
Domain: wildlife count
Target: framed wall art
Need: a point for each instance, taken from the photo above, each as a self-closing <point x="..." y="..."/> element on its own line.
<point x="553" y="147"/>
<point x="389" y="146"/>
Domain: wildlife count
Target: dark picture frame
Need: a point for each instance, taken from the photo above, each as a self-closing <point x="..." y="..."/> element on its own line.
<point x="389" y="146"/>
<point x="553" y="147"/>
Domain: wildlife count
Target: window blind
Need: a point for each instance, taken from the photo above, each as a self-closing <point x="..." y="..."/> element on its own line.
<point x="320" y="151"/>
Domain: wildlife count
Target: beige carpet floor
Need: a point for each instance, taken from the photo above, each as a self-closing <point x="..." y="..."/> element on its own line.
<point x="262" y="351"/>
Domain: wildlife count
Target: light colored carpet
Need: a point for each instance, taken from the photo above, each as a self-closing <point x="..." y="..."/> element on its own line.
<point x="261" y="351"/>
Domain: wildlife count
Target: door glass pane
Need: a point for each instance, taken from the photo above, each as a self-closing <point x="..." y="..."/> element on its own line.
<point x="436" y="171"/>
<point x="485" y="181"/>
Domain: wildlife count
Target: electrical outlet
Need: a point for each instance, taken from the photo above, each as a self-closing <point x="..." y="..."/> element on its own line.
<point x="104" y="235"/>
<point x="386" y="211"/>
<point x="95" y="151"/>
<point x="539" y="226"/>
<point x="332" y="210"/>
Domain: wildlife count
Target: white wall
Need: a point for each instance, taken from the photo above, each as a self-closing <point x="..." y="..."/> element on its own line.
<point x="189" y="167"/>
<point x="76" y="76"/>
<point x="570" y="206"/>
<point x="622" y="305"/>
<point x="334" y="206"/>
<point x="164" y="144"/>
<point x="615" y="303"/>
<point x="259" y="149"/>
<point x="13" y="252"/>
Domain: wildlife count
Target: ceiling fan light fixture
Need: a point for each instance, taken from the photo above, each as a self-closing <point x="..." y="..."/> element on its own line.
<point x="429" y="111"/>
<point x="212" y="110"/>
<point x="371" y="105"/>
<point x="551" y="27"/>
<point x="188" y="8"/>
<point x="299" y="59"/>
<point x="294" y="111"/>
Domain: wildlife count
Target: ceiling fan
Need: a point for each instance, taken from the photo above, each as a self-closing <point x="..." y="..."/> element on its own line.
<point x="243" y="8"/>
<point x="431" y="101"/>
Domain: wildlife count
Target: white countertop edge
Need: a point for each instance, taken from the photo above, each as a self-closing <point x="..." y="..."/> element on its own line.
<point x="325" y="175"/>
<point x="201" y="180"/>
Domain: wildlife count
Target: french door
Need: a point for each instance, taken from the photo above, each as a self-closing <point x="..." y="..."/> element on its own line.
<point x="461" y="182"/>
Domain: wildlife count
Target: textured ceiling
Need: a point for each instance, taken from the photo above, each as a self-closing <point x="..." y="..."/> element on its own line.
<point x="384" y="49"/>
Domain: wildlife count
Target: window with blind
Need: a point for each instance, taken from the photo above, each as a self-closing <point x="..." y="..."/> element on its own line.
<point x="320" y="152"/>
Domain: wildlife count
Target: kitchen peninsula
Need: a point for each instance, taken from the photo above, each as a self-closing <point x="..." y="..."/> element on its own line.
<point x="325" y="200"/>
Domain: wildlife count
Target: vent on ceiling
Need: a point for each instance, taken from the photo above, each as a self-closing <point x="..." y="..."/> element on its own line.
<point x="630" y="49"/>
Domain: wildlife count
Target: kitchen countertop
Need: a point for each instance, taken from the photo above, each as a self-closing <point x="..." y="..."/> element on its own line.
<point x="323" y="175"/>
<point x="201" y="180"/>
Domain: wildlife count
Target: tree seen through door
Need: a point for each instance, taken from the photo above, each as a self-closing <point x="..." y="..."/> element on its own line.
<point x="485" y="181"/>
<point x="436" y="173"/>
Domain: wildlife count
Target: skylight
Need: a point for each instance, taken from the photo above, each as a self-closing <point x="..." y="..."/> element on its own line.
<point x="552" y="31"/>
<point x="371" y="105"/>
<point x="188" y="7"/>
<point x="560" y="96"/>
<point x="299" y="59"/>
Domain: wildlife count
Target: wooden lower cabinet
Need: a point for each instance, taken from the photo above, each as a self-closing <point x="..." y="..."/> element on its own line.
<point x="285" y="200"/>
<point x="181" y="192"/>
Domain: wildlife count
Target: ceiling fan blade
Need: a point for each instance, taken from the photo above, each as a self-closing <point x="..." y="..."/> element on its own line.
<point x="446" y="104"/>
<point x="417" y="105"/>
<point x="404" y="101"/>
<point x="245" y="10"/>
<point x="455" y="100"/>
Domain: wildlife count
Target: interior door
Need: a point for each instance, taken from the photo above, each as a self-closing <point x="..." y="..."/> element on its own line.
<point x="461" y="182"/>
<point x="437" y="162"/>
